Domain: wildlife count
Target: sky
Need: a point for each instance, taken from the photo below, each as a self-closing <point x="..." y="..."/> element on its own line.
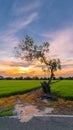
<point x="42" y="20"/>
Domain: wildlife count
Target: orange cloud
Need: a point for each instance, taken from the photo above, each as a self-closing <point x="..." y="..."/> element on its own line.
<point x="8" y="69"/>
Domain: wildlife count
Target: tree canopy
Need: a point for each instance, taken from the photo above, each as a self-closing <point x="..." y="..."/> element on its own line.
<point x="28" y="50"/>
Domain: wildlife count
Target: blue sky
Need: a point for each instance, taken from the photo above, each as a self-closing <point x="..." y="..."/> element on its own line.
<point x="43" y="20"/>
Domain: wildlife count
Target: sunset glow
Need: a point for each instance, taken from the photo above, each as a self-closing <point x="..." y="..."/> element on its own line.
<point x="50" y="21"/>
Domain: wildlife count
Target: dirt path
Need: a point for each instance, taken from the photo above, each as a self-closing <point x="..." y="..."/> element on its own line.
<point x="27" y="111"/>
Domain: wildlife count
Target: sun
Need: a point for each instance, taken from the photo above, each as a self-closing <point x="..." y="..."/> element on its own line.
<point x="25" y="69"/>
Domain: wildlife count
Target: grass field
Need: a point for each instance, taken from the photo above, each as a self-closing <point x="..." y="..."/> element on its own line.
<point x="12" y="87"/>
<point x="63" y="88"/>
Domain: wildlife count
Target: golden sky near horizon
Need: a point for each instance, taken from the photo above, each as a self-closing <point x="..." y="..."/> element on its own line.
<point x="9" y="69"/>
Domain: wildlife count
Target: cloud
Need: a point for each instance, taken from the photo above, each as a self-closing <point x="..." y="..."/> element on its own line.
<point x="18" y="22"/>
<point x="23" y="22"/>
<point x="61" y="46"/>
<point x="22" y="14"/>
<point x="7" y="44"/>
<point x="21" y="64"/>
<point x="9" y="38"/>
<point x="61" y="43"/>
<point x="2" y="52"/>
<point x="25" y="8"/>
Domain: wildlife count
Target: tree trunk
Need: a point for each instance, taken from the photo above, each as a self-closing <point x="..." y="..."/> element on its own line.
<point x="45" y="87"/>
<point x="52" y="74"/>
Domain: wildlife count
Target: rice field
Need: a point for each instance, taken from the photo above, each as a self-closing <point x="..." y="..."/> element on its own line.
<point x="63" y="88"/>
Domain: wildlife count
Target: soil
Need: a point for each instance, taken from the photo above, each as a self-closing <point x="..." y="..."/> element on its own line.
<point x="31" y="104"/>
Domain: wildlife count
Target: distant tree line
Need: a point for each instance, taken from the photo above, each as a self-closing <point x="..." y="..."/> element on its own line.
<point x="34" y="78"/>
<point x="23" y="78"/>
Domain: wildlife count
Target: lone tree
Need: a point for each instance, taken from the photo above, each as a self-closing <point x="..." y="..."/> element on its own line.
<point x="30" y="51"/>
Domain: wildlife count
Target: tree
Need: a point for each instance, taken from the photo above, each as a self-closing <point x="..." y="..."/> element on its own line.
<point x="1" y="77"/>
<point x="30" y="51"/>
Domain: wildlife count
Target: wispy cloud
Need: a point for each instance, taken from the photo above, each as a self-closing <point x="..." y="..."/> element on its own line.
<point x="25" y="8"/>
<point x="61" y="42"/>
<point x="25" y="12"/>
<point x="9" y="37"/>
<point x="61" y="46"/>
<point x="21" y="23"/>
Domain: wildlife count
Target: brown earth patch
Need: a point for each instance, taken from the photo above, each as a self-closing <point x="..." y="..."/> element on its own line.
<point x="61" y="106"/>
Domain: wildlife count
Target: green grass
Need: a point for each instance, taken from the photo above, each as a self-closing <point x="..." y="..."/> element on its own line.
<point x="63" y="88"/>
<point x="6" y="111"/>
<point x="12" y="87"/>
